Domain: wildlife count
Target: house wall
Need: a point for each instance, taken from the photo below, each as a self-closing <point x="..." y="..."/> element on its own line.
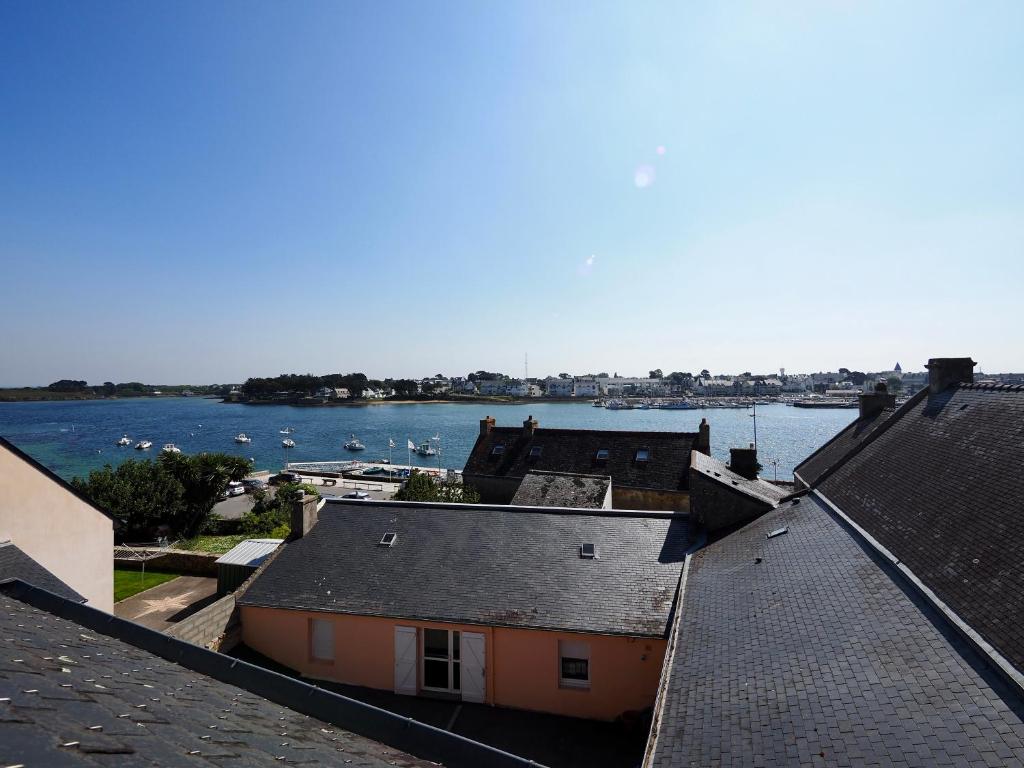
<point x="494" y="490"/>
<point x="650" y="499"/>
<point x="70" y="538"/>
<point x="522" y="665"/>
<point x="714" y="507"/>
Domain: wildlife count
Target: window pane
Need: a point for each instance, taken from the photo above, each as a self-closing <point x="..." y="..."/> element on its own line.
<point x="575" y="669"/>
<point x="435" y="643"/>
<point x="456" y="677"/>
<point x="455" y="645"/>
<point x="435" y="674"/>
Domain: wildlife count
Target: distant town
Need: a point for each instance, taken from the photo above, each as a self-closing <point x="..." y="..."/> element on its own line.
<point x="839" y="387"/>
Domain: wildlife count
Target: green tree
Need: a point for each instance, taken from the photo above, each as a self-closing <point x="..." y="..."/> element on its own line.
<point x="655" y="374"/>
<point x="140" y="493"/>
<point x="270" y="514"/>
<point x="423" y="487"/>
<point x="205" y="477"/>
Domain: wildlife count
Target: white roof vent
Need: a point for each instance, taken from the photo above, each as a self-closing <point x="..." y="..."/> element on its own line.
<point x="388" y="539"/>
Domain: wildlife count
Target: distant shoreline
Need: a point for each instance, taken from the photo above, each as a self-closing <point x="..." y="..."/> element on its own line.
<point x="460" y="401"/>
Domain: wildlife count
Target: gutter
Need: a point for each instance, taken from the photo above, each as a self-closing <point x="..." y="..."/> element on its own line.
<point x="670" y="655"/>
<point x="999" y="663"/>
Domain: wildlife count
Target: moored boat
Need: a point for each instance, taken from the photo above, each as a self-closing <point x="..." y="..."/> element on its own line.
<point x="143" y="445"/>
<point x="125" y="440"/>
<point x="170" y="448"/>
<point x="241" y="437"/>
<point x="354" y="445"/>
<point x="287" y="443"/>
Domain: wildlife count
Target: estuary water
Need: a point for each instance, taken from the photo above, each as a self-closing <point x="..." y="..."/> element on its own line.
<point x="72" y="438"/>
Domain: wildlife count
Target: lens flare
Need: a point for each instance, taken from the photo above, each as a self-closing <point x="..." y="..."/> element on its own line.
<point x="660" y="150"/>
<point x="643" y="177"/>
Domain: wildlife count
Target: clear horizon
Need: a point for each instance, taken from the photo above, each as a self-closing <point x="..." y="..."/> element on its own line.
<point x="200" y="193"/>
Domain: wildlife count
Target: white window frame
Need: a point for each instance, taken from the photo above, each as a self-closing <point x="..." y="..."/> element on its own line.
<point x="573" y="649"/>
<point x="324" y="638"/>
<point x="451" y="660"/>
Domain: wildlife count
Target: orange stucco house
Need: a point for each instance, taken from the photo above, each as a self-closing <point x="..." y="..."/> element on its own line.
<point x="556" y="610"/>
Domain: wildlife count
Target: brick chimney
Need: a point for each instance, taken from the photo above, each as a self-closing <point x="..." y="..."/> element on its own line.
<point x="304" y="515"/>
<point x="703" y="443"/>
<point x="530" y="426"/>
<point x="486" y="425"/>
<point x="743" y="461"/>
<point x="946" y="371"/>
<point x="873" y="402"/>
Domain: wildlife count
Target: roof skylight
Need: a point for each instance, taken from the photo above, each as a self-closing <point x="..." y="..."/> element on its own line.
<point x="388" y="539"/>
<point x="588" y="550"/>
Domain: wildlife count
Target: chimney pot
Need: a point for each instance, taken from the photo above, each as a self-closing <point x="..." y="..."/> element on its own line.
<point x="530" y="426"/>
<point x="703" y="443"/>
<point x="743" y="461"/>
<point x="944" y="372"/>
<point x="486" y="425"/>
<point x="870" y="403"/>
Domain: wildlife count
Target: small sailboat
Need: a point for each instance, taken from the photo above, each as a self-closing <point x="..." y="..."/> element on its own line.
<point x="287" y="430"/>
<point x="287" y="443"/>
<point x="241" y="437"/>
<point x="170" y="448"/>
<point x="354" y="445"/>
<point x="125" y="440"/>
<point x="143" y="445"/>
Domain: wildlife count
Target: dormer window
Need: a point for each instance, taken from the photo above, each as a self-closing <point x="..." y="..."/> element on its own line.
<point x="602" y="454"/>
<point x="643" y="454"/>
<point x="498" y="450"/>
<point x="535" y="452"/>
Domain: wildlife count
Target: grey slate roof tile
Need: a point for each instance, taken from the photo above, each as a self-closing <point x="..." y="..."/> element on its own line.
<point x="114" y="704"/>
<point x="562" y="489"/>
<point x="942" y="488"/>
<point x="816" y="656"/>
<point x="498" y="566"/>
<point x="15" y="564"/>
<point x="719" y="472"/>
<point x="575" y="451"/>
<point x="836" y="449"/>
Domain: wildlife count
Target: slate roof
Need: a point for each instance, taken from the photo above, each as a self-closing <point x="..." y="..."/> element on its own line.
<point x="562" y="489"/>
<point x="719" y="472"/>
<point x="15" y="564"/>
<point x="80" y="690"/>
<point x="835" y="450"/>
<point x="575" y="451"/>
<point x="942" y="488"/>
<point x="474" y="564"/>
<point x="815" y="655"/>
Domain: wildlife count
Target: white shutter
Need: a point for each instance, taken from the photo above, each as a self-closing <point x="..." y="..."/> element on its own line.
<point x="322" y="643"/>
<point x="405" y="660"/>
<point x="474" y="687"/>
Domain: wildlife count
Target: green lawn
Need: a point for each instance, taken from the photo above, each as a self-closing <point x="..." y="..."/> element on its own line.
<point x="217" y="545"/>
<point x="128" y="583"/>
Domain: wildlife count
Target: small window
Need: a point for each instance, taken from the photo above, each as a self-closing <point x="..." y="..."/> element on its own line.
<point x="497" y="450"/>
<point x="535" y="451"/>
<point x="588" y="551"/>
<point x="388" y="539"/>
<point x="321" y="639"/>
<point x="602" y="454"/>
<point x="573" y="664"/>
<point x="643" y="454"/>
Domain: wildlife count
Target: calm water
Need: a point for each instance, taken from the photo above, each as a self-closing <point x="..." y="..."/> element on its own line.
<point x="72" y="438"/>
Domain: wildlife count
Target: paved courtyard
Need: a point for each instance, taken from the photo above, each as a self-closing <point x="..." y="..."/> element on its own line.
<point x="165" y="605"/>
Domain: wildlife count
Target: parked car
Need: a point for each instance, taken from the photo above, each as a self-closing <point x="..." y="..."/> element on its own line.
<point x="234" y="488"/>
<point x="356" y="495"/>
<point x="252" y="484"/>
<point x="286" y="477"/>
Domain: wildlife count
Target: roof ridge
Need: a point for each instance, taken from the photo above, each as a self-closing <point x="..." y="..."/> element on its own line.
<point x="994" y="386"/>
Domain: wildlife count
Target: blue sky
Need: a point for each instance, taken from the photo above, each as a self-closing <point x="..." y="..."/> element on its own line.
<point x="196" y="192"/>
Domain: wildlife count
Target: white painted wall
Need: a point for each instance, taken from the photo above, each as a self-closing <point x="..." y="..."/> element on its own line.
<point x="70" y="538"/>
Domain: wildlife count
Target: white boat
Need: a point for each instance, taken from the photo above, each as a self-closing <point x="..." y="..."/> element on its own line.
<point x="426" y="449"/>
<point x="143" y="445"/>
<point x="125" y="441"/>
<point x="170" y="448"/>
<point x="241" y="437"/>
<point x="287" y="430"/>
<point x="618" y="405"/>
<point x="288" y="443"/>
<point x="597" y="403"/>
<point x="354" y="445"/>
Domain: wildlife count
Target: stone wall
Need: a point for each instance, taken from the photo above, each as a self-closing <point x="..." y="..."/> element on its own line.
<point x="175" y="561"/>
<point x="215" y="627"/>
<point x="649" y="499"/>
